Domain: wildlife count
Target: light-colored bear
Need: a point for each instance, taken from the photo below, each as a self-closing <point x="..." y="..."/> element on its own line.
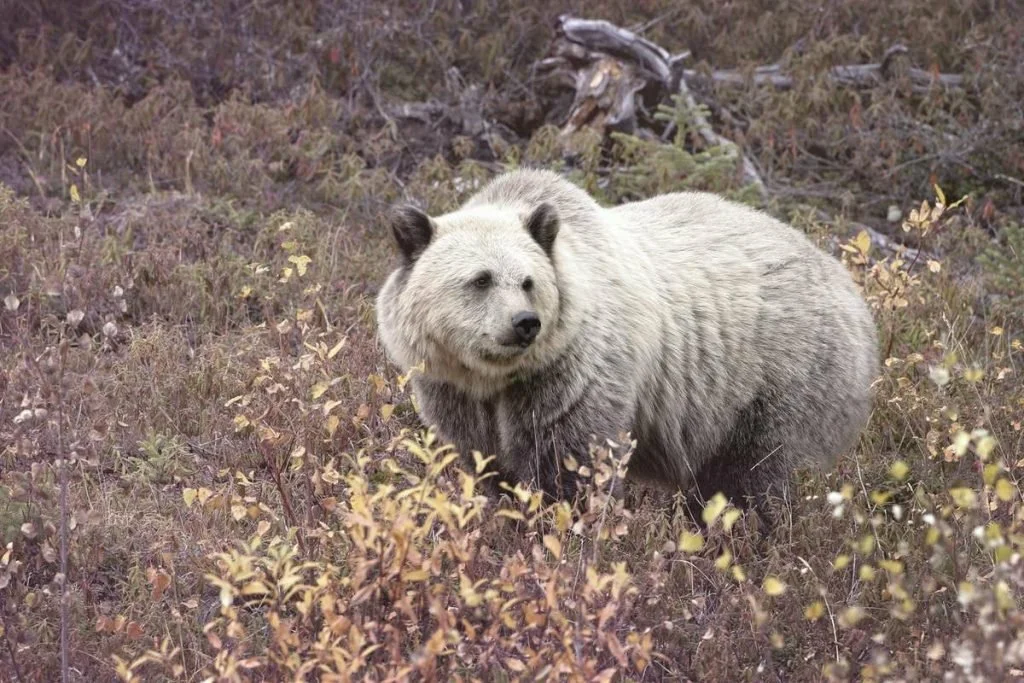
<point x="731" y="347"/>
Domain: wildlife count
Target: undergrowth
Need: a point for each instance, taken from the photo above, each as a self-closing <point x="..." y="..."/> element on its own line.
<point x="189" y="252"/>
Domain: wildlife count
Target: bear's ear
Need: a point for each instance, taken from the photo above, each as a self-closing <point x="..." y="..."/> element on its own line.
<point x="542" y="225"/>
<point x="411" y="230"/>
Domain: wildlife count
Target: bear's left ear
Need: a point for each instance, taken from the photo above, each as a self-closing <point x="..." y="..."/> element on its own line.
<point x="542" y="224"/>
<point x="412" y="230"/>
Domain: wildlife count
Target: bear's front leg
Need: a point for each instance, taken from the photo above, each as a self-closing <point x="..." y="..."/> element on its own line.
<point x="459" y="420"/>
<point x="541" y="422"/>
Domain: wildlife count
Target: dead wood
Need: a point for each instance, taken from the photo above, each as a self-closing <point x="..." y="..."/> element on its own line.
<point x="611" y="68"/>
<point x="850" y="75"/>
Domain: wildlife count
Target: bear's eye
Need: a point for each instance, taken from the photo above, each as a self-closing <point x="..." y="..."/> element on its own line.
<point x="528" y="284"/>
<point x="482" y="281"/>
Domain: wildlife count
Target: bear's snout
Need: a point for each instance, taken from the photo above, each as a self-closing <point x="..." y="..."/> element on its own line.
<point x="527" y="325"/>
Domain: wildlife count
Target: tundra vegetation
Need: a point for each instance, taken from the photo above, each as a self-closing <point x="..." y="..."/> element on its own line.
<point x="208" y="471"/>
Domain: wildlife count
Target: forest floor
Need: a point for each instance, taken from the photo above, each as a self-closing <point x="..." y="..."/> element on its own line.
<point x="205" y="452"/>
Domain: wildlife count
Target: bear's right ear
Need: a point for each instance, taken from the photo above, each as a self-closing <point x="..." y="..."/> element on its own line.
<point x="411" y="230"/>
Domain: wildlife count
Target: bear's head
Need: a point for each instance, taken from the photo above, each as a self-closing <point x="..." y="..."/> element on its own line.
<point x="476" y="294"/>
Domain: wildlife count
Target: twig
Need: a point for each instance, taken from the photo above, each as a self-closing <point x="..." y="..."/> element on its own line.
<point x="10" y="651"/>
<point x="275" y="473"/>
<point x="1010" y="179"/>
<point x="828" y="606"/>
<point x="64" y="625"/>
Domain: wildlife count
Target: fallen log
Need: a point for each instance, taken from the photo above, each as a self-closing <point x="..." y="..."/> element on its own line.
<point x="850" y="75"/>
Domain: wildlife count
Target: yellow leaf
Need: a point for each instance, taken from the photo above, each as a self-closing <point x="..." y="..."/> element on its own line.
<point x="416" y="575"/>
<point x="268" y="433"/>
<point x="996" y="331"/>
<point x="300" y="261"/>
<point x="1005" y="490"/>
<point x="880" y="497"/>
<point x="963" y="497"/>
<point x="690" y="542"/>
<point x="238" y="511"/>
<point x="940" y="194"/>
<point x="80" y="162"/>
<point x="899" y="470"/>
<point x="724" y="560"/>
<point x="553" y="545"/>
<point x="714" y="508"/>
<point x="851" y="616"/>
<point x="203" y="494"/>
<point x="189" y="495"/>
<point x="984" y="446"/>
<point x="961" y="440"/>
<point x="934" y="266"/>
<point x="336" y="348"/>
<point x="773" y="586"/>
<point x="331" y="425"/>
<point x="515" y="665"/>
<point x="973" y="374"/>
<point x="862" y="241"/>
<point x="866" y="545"/>
<point x="730" y="517"/>
<point x="319" y="389"/>
<point x="75" y="197"/>
<point x="990" y="472"/>
<point x="891" y="566"/>
<point x="255" y="588"/>
<point x="386" y="410"/>
<point x="480" y="462"/>
<point x="815" y="610"/>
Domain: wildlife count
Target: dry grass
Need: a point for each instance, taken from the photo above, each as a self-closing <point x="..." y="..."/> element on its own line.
<point x="190" y="241"/>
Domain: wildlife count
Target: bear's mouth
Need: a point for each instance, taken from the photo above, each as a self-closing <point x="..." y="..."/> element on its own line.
<point x="504" y="354"/>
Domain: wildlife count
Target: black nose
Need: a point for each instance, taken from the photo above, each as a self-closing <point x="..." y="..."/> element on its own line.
<point x="527" y="325"/>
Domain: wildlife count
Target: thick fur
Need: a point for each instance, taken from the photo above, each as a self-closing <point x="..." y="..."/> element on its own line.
<point x="731" y="347"/>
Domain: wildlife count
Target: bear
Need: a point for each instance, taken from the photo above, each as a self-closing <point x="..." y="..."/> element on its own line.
<point x="730" y="347"/>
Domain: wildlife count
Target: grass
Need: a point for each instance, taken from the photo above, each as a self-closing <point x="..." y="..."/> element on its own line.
<point x="190" y="243"/>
